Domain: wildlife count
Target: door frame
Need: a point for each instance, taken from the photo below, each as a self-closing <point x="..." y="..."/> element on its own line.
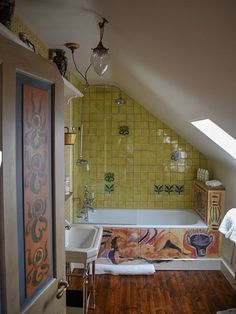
<point x="14" y="58"/>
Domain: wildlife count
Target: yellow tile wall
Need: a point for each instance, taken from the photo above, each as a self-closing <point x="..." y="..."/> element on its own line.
<point x="138" y="161"/>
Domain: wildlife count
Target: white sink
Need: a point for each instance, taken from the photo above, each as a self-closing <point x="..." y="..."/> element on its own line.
<point x="82" y="243"/>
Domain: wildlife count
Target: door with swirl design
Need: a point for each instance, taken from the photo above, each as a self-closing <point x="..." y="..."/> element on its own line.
<point x="32" y="217"/>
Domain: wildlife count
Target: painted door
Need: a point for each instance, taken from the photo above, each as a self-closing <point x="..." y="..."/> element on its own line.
<point x="32" y="201"/>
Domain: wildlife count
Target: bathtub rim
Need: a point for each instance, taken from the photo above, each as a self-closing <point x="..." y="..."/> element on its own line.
<point x="199" y="225"/>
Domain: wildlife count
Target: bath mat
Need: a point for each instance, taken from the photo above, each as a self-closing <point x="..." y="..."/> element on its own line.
<point x="229" y="311"/>
<point x="125" y="269"/>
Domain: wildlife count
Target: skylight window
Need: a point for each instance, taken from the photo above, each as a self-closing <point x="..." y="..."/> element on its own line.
<point x="217" y="135"/>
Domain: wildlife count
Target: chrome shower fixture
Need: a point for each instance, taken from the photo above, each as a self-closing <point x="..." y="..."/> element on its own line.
<point x="81" y="161"/>
<point x="120" y="100"/>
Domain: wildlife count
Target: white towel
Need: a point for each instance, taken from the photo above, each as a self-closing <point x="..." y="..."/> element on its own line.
<point x="142" y="269"/>
<point x="228" y="225"/>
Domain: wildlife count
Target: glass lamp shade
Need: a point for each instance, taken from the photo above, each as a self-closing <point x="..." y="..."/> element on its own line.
<point x="100" y="60"/>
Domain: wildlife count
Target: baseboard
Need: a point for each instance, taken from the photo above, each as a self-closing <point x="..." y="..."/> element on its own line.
<point x="190" y="264"/>
<point x="229" y="273"/>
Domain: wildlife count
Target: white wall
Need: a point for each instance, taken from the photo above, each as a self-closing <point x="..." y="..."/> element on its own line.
<point x="226" y="174"/>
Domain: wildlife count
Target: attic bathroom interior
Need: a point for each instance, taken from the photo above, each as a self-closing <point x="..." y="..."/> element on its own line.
<point x="124" y="160"/>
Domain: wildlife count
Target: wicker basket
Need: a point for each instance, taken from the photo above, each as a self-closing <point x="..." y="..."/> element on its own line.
<point x="69" y="138"/>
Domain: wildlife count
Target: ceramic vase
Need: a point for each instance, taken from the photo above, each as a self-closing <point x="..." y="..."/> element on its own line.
<point x="61" y="61"/>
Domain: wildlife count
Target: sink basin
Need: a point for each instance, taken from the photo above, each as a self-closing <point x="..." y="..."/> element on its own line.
<point x="82" y="243"/>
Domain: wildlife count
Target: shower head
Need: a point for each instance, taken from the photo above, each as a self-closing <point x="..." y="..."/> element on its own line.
<point x="120" y="100"/>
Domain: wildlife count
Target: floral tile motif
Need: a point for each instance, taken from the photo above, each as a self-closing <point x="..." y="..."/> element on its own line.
<point x="109" y="178"/>
<point x="124" y="130"/>
<point x="167" y="188"/>
<point x="159" y="188"/>
<point x="109" y="188"/>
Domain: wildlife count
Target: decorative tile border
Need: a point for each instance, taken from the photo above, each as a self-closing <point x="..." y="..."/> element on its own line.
<point x="109" y="177"/>
<point x="124" y="130"/>
<point x="167" y="188"/>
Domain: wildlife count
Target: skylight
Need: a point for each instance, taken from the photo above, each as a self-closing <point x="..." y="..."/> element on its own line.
<point x="217" y="135"/>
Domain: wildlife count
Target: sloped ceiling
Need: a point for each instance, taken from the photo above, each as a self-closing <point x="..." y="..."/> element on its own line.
<point x="176" y="57"/>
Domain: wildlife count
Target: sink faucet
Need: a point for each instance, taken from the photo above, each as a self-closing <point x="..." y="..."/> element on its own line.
<point x="87" y="202"/>
<point x="67" y="225"/>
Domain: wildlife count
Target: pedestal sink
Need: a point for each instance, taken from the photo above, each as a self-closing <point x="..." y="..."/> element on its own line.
<point x="82" y="243"/>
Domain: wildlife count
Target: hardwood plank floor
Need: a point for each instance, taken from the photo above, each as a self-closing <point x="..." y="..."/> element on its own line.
<point x="165" y="292"/>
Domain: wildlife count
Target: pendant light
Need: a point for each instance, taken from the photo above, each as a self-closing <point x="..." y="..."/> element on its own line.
<point x="99" y="59"/>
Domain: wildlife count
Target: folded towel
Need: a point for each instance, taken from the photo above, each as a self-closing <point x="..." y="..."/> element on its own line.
<point x="141" y="269"/>
<point x="228" y="225"/>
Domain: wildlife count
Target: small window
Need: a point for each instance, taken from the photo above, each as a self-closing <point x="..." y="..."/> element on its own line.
<point x="217" y="135"/>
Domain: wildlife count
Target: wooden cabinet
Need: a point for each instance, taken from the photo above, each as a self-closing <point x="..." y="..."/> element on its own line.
<point x="209" y="203"/>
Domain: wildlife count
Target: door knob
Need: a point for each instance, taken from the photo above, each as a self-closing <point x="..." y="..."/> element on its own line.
<point x="62" y="286"/>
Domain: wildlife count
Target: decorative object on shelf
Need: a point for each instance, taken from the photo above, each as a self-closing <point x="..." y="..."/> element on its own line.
<point x="61" y="61"/>
<point x="23" y="37"/>
<point x="99" y="59"/>
<point x="69" y="137"/>
<point x="6" y="12"/>
<point x="124" y="130"/>
<point x="109" y="177"/>
<point x="202" y="174"/>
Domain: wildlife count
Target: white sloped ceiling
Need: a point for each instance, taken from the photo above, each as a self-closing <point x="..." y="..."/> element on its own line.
<point x="176" y="57"/>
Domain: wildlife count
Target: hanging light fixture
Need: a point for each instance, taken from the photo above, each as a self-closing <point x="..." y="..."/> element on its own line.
<point x="99" y="59"/>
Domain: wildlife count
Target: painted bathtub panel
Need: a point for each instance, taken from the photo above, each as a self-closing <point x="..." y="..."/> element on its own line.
<point x="156" y="245"/>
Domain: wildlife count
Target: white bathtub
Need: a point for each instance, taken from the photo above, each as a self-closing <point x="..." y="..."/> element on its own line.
<point x="167" y="238"/>
<point x="143" y="218"/>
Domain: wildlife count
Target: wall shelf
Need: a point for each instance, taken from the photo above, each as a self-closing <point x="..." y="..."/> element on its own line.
<point x="12" y="36"/>
<point x="70" y="91"/>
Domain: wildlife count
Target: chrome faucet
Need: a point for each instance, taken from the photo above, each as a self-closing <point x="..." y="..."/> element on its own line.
<point x="67" y="225"/>
<point x="87" y="202"/>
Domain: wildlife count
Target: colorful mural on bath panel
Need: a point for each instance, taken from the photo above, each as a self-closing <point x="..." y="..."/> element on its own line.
<point x="155" y="245"/>
<point x="36" y="194"/>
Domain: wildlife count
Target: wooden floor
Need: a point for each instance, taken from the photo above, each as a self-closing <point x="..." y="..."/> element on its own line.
<point x="165" y="292"/>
